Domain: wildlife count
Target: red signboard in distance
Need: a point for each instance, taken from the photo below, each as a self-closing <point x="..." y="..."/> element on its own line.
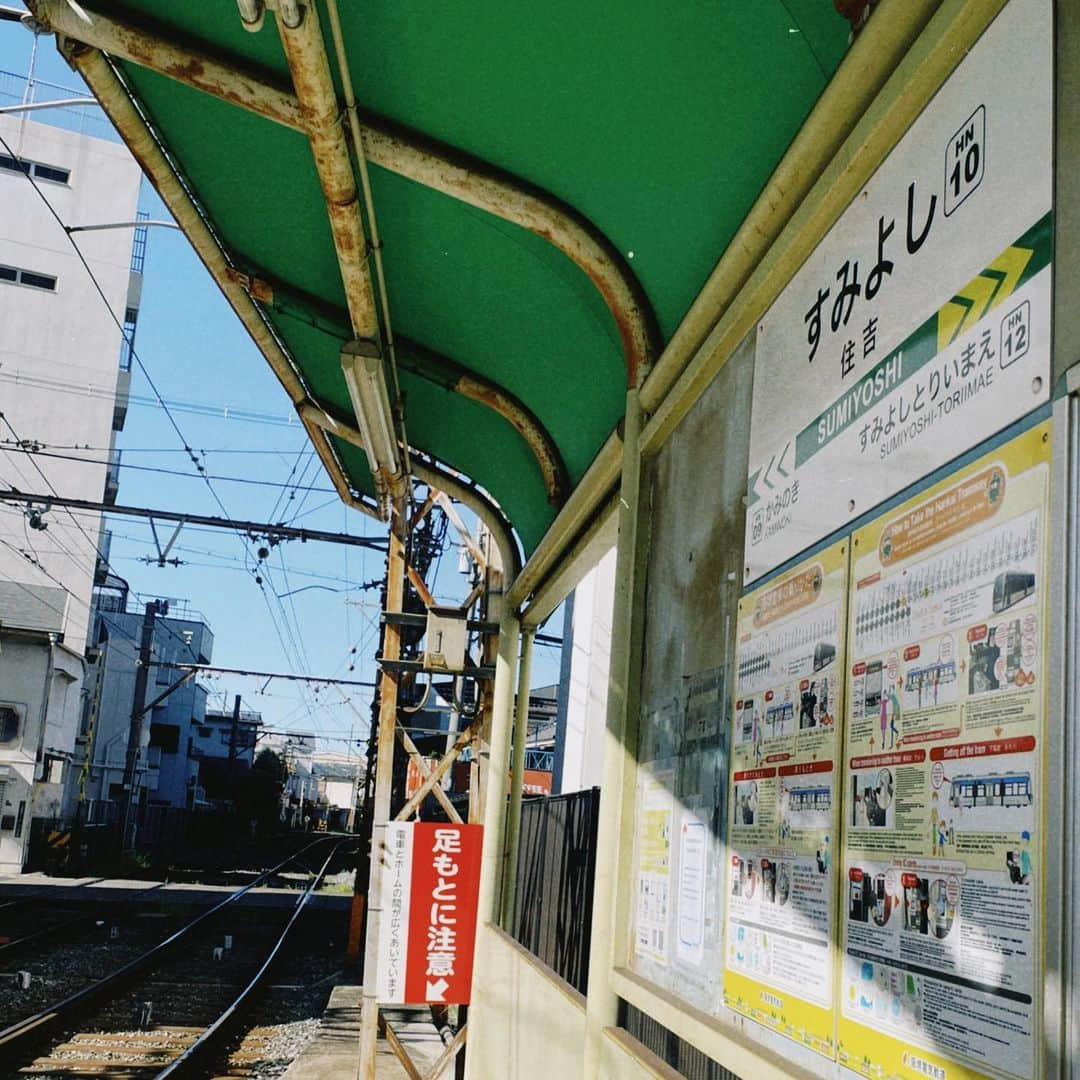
<point x="430" y="886"/>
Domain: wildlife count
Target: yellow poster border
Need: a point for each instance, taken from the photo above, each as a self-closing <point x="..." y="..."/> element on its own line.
<point x="858" y="1046"/>
<point x="781" y="1011"/>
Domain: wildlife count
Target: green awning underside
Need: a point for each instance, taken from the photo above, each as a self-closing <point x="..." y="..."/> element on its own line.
<point x="660" y="123"/>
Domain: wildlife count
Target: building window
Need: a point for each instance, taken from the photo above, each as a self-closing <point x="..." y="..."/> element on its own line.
<point x="127" y="346"/>
<point x="30" y="278"/>
<point x="9" y="724"/>
<point x="38" y="170"/>
<point x="165" y="736"/>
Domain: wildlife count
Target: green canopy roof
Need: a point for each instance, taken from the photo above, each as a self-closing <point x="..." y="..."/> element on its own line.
<point x="654" y="124"/>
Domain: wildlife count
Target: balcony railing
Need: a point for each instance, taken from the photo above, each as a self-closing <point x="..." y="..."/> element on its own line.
<point x="16" y="89"/>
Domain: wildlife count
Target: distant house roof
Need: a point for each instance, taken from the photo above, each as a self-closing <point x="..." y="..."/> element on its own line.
<point x="334" y="770"/>
<point x="34" y="608"/>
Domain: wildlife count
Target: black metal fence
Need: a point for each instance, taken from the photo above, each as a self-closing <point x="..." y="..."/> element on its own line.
<point x="556" y="869"/>
<point x="681" y="1056"/>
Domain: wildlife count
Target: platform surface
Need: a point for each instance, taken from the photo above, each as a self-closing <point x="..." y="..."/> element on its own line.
<point x="335" y="1051"/>
<point x="120" y="890"/>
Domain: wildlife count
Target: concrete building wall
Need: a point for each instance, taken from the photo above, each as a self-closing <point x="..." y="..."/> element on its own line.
<point x="59" y="350"/>
<point x="164" y="775"/>
<point x="41" y="681"/>
<point x="24" y="665"/>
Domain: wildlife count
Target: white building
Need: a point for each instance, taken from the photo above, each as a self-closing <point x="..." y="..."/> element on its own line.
<point x="40" y="680"/>
<point x="584" y="679"/>
<point x="63" y="384"/>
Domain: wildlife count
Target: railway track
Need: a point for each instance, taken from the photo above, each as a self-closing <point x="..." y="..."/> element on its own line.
<point x="171" y="1010"/>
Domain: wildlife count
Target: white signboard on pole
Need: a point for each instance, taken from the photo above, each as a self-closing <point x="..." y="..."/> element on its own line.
<point x="920" y="325"/>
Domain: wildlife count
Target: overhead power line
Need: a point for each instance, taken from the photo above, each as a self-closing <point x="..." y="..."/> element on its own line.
<point x="245" y="528"/>
<point x="208" y="669"/>
<point x="121" y="464"/>
<point x="102" y="392"/>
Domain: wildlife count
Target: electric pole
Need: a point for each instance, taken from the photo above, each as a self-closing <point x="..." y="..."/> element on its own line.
<point x="138" y="710"/>
<point x="232" y="746"/>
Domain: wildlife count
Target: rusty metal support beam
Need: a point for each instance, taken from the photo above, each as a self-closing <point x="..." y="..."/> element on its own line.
<point x="430" y="473"/>
<point x="436" y="368"/>
<point x="395" y="149"/>
<point x="434" y="777"/>
<point x="384" y="769"/>
<point x="420" y="586"/>
<point x="439" y="1065"/>
<point x="461" y="380"/>
<point x="93" y="66"/>
<point x="479" y="184"/>
<point x="186" y="62"/>
<point x="407" y="1063"/>
<point x="463" y="531"/>
<point x="436" y="789"/>
<point x="320" y="116"/>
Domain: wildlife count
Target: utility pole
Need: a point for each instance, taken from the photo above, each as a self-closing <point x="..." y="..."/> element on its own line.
<point x="232" y="745"/>
<point x="138" y="710"/>
<point x="384" y="768"/>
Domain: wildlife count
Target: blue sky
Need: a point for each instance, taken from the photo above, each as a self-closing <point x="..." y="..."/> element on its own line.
<point x="206" y="367"/>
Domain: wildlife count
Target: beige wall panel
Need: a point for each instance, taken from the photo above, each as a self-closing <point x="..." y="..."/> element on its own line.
<point x="524" y="1021"/>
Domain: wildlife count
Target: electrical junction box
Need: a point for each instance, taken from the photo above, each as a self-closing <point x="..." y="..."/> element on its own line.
<point x="445" y="640"/>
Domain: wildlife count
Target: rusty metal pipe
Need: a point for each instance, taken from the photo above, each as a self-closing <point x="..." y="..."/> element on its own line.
<point x="92" y="65"/>
<point x="461" y="380"/>
<point x="398" y="151"/>
<point x="527" y="426"/>
<point x="480" y="185"/>
<point x="428" y="472"/>
<point x="321" y="117"/>
<point x="186" y="64"/>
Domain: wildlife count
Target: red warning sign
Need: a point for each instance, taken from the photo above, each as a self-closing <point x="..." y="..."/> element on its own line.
<point x="430" y="885"/>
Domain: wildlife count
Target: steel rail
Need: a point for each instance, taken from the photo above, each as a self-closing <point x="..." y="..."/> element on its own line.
<point x="11" y="948"/>
<point x="396" y="149"/>
<point x="33" y="1026"/>
<point x="209" y="1039"/>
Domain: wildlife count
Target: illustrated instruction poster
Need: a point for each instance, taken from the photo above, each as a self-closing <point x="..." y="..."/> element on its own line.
<point x="653" y="914"/>
<point x="942" y="770"/>
<point x="680" y="824"/>
<point x="784" y="800"/>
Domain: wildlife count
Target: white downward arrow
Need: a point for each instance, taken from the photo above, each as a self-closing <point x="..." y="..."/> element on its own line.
<point x="436" y="991"/>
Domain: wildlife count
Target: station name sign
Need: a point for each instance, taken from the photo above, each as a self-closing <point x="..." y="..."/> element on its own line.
<point x="920" y="325"/>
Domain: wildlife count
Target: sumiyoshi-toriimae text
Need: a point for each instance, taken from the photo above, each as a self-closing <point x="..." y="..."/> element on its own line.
<point x="920" y="325"/>
<point x="942" y="772"/>
<point x="785" y="791"/>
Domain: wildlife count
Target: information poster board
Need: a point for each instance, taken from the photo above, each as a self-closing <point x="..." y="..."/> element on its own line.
<point x="680" y="824"/>
<point x="920" y="325"/>
<point x="656" y="805"/>
<point x="943" y="805"/>
<point x="784" y="797"/>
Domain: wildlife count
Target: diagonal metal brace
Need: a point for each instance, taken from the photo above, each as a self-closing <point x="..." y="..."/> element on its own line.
<point x="436" y="789"/>
<point x="436" y="774"/>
